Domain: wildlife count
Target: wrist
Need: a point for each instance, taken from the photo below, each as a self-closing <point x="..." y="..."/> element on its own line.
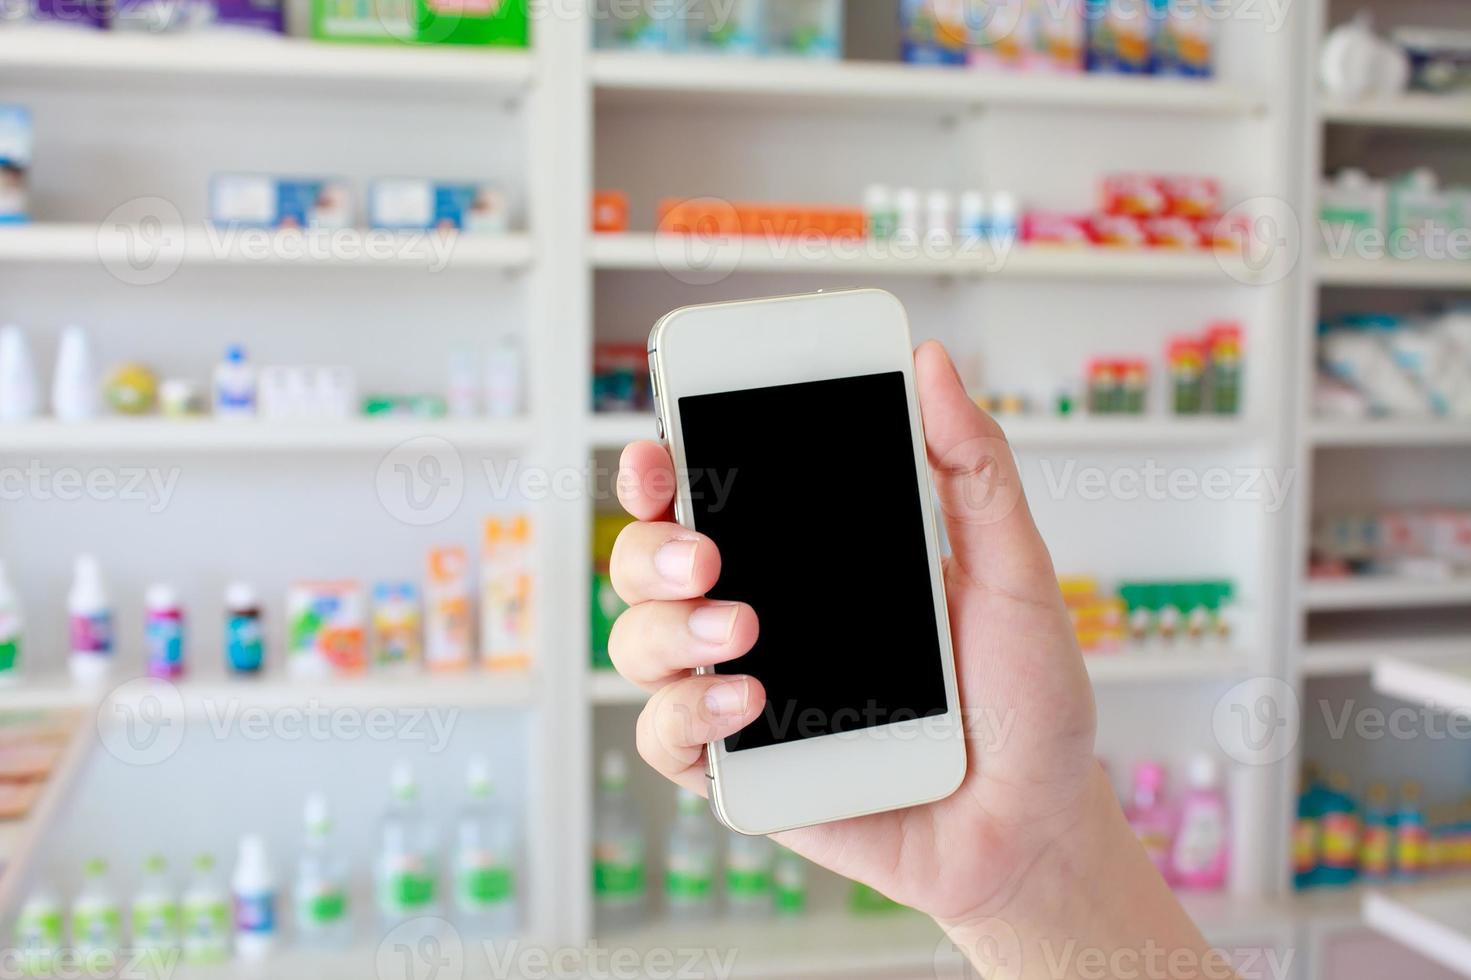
<point x="1090" y="903"/>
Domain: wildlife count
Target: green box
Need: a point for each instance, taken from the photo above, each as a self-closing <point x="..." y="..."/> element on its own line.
<point x="501" y="23"/>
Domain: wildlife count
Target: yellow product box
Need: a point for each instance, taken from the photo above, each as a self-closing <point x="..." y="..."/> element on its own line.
<point x="448" y="623"/>
<point x="506" y="583"/>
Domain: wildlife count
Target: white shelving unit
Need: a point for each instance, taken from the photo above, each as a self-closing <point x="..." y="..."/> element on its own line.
<point x="196" y="436"/>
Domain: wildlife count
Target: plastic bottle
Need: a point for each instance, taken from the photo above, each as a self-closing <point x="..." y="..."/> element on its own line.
<point x="1150" y="816"/>
<point x="234" y="386"/>
<point x="789" y="878"/>
<point x="38" y="933"/>
<point x="503" y="380"/>
<point x="486" y="849"/>
<point x="253" y="895"/>
<point x="748" y="867"/>
<point x="971" y="224"/>
<point x="74" y="387"/>
<point x="407" y="865"/>
<point x="462" y="400"/>
<point x="90" y="621"/>
<point x="163" y="632"/>
<point x="1376" y="842"/>
<point x="155" y="910"/>
<point x="245" y="649"/>
<point x="881" y="215"/>
<point x="1338" y="861"/>
<point x="1005" y="223"/>
<point x="619" y="879"/>
<point x="12" y="625"/>
<point x="205" y="915"/>
<point x="322" y="906"/>
<point x="907" y="221"/>
<point x="1409" y="834"/>
<point x="1202" y="845"/>
<point x="689" y="874"/>
<point x="20" y="398"/>
<point x="1307" y="839"/>
<point x="96" y="920"/>
<point x="939" y="219"/>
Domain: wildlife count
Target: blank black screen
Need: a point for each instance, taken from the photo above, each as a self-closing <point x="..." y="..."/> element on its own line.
<point x="810" y="492"/>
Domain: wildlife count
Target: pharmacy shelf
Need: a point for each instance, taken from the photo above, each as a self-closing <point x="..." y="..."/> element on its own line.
<point x="153" y="260"/>
<point x="1445" y="686"/>
<point x="1386" y="272"/>
<point x="252" y="61"/>
<point x="615" y="430"/>
<point x="699" y="260"/>
<point x="1383" y="592"/>
<point x="1341" y="658"/>
<point x="1426" y="431"/>
<point x="644" y="80"/>
<point x="204" y="436"/>
<point x="1434" y="921"/>
<point x="607" y="687"/>
<point x="1410" y="111"/>
<point x="203" y="698"/>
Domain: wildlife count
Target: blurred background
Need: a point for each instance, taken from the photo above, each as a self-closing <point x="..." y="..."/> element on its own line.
<point x="324" y="325"/>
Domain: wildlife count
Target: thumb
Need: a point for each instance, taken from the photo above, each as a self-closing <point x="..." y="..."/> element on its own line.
<point x="992" y="534"/>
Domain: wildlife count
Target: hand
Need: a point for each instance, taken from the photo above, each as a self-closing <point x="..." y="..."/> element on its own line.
<point x="1034" y="810"/>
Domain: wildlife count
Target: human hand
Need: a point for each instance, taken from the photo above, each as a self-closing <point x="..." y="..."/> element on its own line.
<point x="1034" y="810"/>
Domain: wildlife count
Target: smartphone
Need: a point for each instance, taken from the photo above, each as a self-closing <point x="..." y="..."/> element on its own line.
<point x="798" y="449"/>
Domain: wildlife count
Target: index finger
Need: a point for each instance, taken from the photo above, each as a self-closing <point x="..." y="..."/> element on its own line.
<point x="646" y="481"/>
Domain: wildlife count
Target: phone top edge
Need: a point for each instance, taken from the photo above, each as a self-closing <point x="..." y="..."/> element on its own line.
<point x="659" y="325"/>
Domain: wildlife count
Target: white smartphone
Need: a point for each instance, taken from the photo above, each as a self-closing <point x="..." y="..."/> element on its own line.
<point x="798" y="449"/>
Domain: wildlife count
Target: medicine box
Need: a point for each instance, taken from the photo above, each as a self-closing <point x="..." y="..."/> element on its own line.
<point x="16" y="141"/>
<point x="413" y="204"/>
<point x="256" y="201"/>
<point x="325" y="629"/>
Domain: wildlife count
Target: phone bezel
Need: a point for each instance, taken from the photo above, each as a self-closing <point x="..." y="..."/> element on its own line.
<point x="760" y="343"/>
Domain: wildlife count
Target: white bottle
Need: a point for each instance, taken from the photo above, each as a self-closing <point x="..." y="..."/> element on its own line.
<point x="1005" y="219"/>
<point x="12" y="626"/>
<point x="74" y="387"/>
<point x="155" y="911"/>
<point x="971" y="221"/>
<point x="323" y="918"/>
<point x="253" y="894"/>
<point x="939" y="219"/>
<point x="748" y="870"/>
<point x="406" y="875"/>
<point x="234" y="386"/>
<point x="619" y="875"/>
<point x="907" y="219"/>
<point x="20" y="395"/>
<point x="38" y="933"/>
<point x="880" y="212"/>
<point x="205" y="915"/>
<point x="503" y="380"/>
<point x="464" y="396"/>
<point x="96" y="919"/>
<point x="90" y="624"/>
<point x="486" y="848"/>
<point x="689" y="875"/>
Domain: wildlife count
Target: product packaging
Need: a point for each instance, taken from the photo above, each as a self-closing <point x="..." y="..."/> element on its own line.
<point x="499" y="23"/>
<point x="1423" y="216"/>
<point x="1121" y="36"/>
<point x="804" y="28"/>
<point x="607" y="606"/>
<point x="325" y="628"/>
<point x="398" y="626"/>
<point x="165" y="16"/>
<point x="16" y="141"/>
<point x="412" y="204"/>
<point x="934" y="32"/>
<point x="1184" y="44"/>
<point x="638" y="25"/>
<point x="448" y="644"/>
<point x="506" y="581"/>
<point x="91" y="14"/>
<point x="729" y="27"/>
<point x="256" y="201"/>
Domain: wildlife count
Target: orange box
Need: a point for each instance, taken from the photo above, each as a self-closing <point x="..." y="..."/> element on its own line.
<point x="609" y="211"/>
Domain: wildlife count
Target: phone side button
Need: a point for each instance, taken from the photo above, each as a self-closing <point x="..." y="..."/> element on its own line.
<point x="659" y="427"/>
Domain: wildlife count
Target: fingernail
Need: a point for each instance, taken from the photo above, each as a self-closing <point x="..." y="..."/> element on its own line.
<point x="675" y="561"/>
<point x="727" y="700"/>
<point x="715" y="622"/>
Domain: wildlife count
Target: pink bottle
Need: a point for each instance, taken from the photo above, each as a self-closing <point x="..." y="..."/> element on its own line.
<point x="1151" y="817"/>
<point x="1202" y="844"/>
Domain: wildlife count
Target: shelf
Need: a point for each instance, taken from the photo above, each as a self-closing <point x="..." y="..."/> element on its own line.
<point x="615" y="430"/>
<point x="1434" y="921"/>
<point x="205" y="436"/>
<point x="195" y="698"/>
<point x="607" y="687"/>
<point x="702" y="261"/>
<point x="1427" y="431"/>
<point x="254" y="60"/>
<point x="1394" y="273"/>
<point x="115" y="249"/>
<point x="1383" y="592"/>
<point x="1358" y="656"/>
<point x="645" y="80"/>
<point x="1411" y="111"/>
<point x="1445" y="686"/>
